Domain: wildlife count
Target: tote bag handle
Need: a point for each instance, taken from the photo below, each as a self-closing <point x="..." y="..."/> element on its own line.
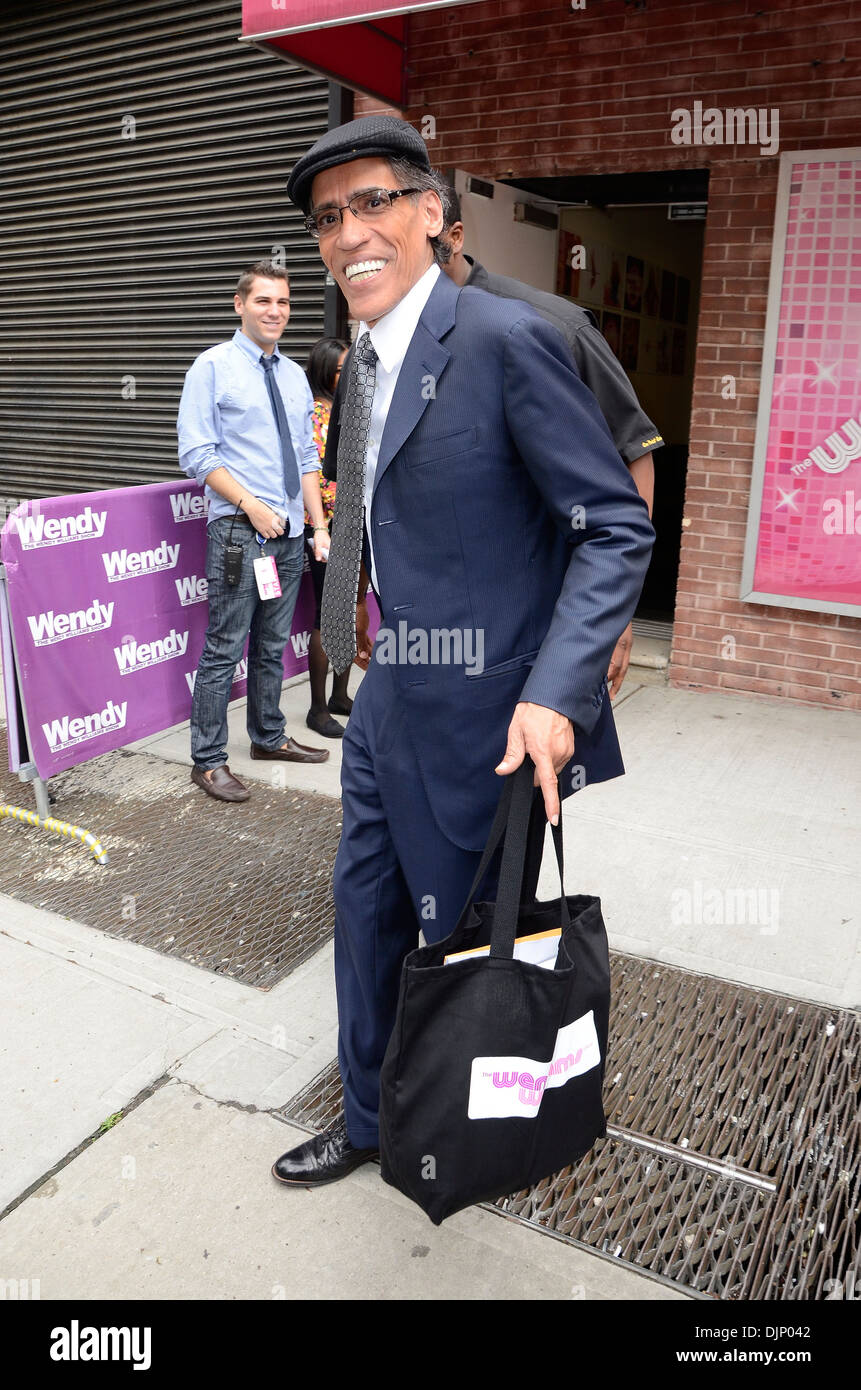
<point x="507" y="908"/>
<point x="512" y="821"/>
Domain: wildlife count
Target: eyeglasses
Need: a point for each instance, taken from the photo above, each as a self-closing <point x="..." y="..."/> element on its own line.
<point x="366" y="206"/>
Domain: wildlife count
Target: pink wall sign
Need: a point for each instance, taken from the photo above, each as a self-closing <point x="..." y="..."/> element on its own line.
<point x="107" y="598"/>
<point x="804" y="530"/>
<point x="262" y="17"/>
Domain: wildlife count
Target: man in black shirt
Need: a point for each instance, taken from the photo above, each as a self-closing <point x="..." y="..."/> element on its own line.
<point x="634" y="434"/>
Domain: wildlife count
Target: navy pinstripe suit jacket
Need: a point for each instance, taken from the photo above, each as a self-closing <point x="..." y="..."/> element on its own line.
<point x="500" y="507"/>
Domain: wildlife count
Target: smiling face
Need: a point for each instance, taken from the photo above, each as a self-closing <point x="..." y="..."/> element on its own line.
<point x="375" y="263"/>
<point x="264" y="312"/>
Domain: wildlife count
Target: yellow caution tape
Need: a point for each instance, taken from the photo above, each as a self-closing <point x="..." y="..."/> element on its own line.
<point x="61" y="827"/>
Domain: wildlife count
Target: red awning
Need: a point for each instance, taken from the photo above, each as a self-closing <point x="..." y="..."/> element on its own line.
<point x="361" y="43"/>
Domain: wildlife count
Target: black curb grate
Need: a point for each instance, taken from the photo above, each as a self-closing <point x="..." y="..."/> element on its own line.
<point x="730" y="1167"/>
<point x="244" y="891"/>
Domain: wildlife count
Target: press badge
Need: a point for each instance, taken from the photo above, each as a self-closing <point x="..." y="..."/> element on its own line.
<point x="266" y="574"/>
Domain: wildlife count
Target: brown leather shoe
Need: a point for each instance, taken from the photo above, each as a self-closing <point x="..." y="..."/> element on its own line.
<point x="292" y="752"/>
<point x="221" y="784"/>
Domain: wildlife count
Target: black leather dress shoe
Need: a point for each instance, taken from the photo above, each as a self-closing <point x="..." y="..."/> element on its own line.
<point x="325" y="1158"/>
<point x="321" y="721"/>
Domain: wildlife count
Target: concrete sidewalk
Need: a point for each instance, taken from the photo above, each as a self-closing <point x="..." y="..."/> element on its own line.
<point x="729" y="847"/>
<point x="176" y="1201"/>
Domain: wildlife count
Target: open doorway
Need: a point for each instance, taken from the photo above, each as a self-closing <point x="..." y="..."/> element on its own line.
<point x="638" y="271"/>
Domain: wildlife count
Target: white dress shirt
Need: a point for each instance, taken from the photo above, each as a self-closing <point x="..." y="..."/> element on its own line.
<point x="390" y="336"/>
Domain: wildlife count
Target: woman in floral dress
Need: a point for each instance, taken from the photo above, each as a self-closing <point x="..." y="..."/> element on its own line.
<point x="323" y="371"/>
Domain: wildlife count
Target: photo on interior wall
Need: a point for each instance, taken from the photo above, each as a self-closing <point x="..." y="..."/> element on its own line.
<point x="612" y="297"/>
<point x="583" y="281"/>
<point x="680" y="343"/>
<point x="591" y="276"/>
<point x="668" y="295"/>
<point x="611" y="327"/>
<point x="592" y="285"/>
<point x="662" y="349"/>
<point x="647" y="359"/>
<point x="630" y="343"/>
<point x="651" y="292"/>
<point x="634" y="285"/>
<point x="683" y="298"/>
<point x="568" y="276"/>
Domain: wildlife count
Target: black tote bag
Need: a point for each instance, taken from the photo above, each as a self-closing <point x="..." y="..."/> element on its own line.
<point x="493" y="1076"/>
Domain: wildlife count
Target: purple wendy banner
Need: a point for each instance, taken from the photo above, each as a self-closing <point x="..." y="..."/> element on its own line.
<point x="107" y="597"/>
<point x="10" y="693"/>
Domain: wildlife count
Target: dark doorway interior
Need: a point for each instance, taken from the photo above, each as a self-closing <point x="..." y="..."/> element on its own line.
<point x="624" y="221"/>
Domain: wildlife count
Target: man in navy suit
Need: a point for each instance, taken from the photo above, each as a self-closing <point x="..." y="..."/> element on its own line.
<point x="507" y="545"/>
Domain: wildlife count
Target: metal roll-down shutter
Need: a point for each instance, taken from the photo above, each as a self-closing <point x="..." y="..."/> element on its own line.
<point x="144" y="153"/>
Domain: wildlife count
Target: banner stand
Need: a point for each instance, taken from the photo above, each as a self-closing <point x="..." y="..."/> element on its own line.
<point x="16" y="720"/>
<point x="104" y="613"/>
<point x="27" y="773"/>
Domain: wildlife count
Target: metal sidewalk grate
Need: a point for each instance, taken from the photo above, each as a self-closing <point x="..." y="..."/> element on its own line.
<point x="244" y="891"/>
<point x="731" y="1164"/>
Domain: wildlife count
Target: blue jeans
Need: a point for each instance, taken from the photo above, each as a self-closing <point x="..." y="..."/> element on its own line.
<point x="234" y="611"/>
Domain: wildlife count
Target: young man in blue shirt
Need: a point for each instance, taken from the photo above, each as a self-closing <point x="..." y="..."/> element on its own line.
<point x="245" y="434"/>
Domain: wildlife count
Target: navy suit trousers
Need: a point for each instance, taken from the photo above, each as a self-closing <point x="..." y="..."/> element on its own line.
<point x="395" y="873"/>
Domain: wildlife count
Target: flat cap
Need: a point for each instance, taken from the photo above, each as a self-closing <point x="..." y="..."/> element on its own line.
<point x="384" y="137"/>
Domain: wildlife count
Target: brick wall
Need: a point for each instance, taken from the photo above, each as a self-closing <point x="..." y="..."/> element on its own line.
<point x="366" y="106"/>
<point x="522" y="87"/>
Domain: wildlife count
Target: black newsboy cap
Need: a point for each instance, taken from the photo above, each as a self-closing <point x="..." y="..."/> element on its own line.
<point x="383" y="137"/>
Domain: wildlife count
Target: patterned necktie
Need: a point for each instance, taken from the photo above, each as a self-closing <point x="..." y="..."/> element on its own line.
<point x="338" y="613"/>
<point x="288" y="457"/>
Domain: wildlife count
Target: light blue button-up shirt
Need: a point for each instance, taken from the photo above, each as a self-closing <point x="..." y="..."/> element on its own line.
<point x="226" y="420"/>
